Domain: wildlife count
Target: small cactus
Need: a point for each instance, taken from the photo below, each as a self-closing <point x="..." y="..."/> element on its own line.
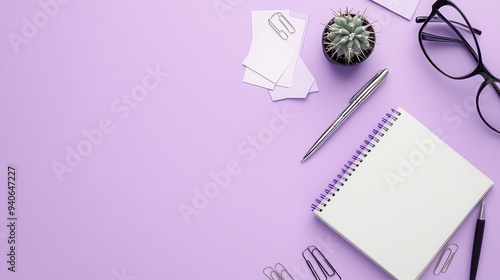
<point x="348" y="37"/>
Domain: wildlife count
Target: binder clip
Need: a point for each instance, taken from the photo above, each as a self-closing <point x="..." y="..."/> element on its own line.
<point x="285" y="22"/>
<point x="317" y="263"/>
<point x="443" y="263"/>
<point x="279" y="272"/>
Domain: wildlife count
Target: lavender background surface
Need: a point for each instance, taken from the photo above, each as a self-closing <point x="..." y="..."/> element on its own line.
<point x="115" y="213"/>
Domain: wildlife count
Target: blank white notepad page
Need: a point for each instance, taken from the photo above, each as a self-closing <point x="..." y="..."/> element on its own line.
<point x="405" y="199"/>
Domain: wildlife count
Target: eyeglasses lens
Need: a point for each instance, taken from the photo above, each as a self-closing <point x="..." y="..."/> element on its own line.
<point x="489" y="104"/>
<point x="448" y="42"/>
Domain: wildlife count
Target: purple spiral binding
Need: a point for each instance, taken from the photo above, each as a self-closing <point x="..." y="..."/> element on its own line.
<point x="348" y="169"/>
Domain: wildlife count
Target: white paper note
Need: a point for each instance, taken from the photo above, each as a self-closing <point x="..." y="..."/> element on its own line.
<point x="269" y="56"/>
<point x="303" y="81"/>
<point x="404" y="8"/>
<point x="274" y="63"/>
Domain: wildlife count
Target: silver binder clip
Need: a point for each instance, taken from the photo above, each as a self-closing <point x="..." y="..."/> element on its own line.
<point x="285" y="22"/>
<point x="443" y="263"/>
<point x="279" y="272"/>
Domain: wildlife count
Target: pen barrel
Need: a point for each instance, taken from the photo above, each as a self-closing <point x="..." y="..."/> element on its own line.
<point x="476" y="248"/>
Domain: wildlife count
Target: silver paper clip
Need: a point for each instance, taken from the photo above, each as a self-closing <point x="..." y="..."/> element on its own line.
<point x="442" y="263"/>
<point x="279" y="271"/>
<point x="285" y="22"/>
<point x="320" y="264"/>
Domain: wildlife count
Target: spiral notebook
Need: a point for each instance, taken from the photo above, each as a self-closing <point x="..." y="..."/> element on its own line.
<point x="401" y="196"/>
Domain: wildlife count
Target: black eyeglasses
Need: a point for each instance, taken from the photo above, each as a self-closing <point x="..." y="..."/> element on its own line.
<point x="449" y="42"/>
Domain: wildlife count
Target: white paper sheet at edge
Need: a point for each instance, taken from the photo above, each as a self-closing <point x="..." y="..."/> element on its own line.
<point x="253" y="78"/>
<point x="404" y="8"/>
<point x="314" y="87"/>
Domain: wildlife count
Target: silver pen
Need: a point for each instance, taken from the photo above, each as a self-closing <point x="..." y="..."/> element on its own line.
<point x="354" y="103"/>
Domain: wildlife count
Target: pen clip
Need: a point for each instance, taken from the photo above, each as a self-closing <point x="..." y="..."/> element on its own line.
<point x="369" y="83"/>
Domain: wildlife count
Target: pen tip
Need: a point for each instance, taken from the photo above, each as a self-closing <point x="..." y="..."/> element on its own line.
<point x="304" y="158"/>
<point x="481" y="213"/>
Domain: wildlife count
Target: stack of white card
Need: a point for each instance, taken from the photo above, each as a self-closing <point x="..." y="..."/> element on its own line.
<point x="274" y="61"/>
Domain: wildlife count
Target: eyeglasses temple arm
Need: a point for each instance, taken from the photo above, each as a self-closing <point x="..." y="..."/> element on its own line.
<point x="457" y="24"/>
<point x="436" y="38"/>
